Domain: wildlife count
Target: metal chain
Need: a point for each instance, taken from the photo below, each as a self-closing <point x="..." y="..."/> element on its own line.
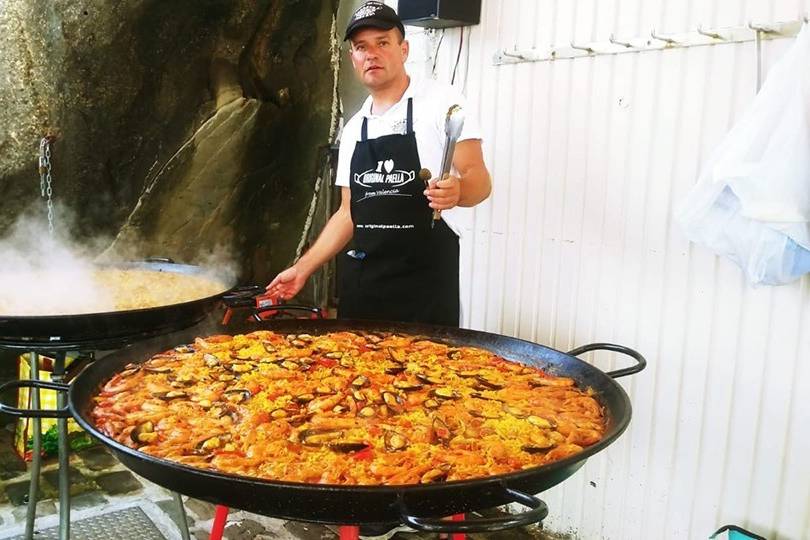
<point x="45" y="186"/>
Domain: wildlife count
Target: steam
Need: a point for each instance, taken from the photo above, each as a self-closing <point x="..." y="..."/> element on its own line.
<point x="40" y="273"/>
<point x="44" y="274"/>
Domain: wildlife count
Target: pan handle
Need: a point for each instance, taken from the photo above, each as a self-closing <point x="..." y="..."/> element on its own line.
<point x="34" y="413"/>
<point x="538" y="513"/>
<point x="641" y="361"/>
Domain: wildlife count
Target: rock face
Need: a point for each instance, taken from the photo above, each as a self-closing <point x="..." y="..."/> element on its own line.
<point x="180" y="127"/>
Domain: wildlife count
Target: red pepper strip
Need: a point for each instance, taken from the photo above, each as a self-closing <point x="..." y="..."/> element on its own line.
<point x="366" y="454"/>
<point x="326" y="362"/>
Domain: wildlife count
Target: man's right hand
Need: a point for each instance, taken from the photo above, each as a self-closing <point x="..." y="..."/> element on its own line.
<point x="287" y="283"/>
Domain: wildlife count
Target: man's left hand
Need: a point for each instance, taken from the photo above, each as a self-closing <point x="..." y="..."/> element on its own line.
<point x="445" y="193"/>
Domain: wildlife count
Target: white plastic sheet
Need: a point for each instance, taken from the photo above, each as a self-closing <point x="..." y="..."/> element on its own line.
<point x="752" y="200"/>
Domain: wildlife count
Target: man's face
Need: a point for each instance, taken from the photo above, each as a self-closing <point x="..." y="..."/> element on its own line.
<point x="378" y="56"/>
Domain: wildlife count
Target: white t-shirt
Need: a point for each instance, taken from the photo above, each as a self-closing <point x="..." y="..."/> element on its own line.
<point x="431" y="101"/>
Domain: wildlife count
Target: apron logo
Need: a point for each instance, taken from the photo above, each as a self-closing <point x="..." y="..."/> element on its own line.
<point x="384" y="175"/>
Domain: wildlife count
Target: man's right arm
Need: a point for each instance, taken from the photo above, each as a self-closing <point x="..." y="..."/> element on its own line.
<point x="334" y="237"/>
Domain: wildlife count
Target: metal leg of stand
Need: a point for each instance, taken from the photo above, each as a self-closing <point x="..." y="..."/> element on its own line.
<point x="64" y="455"/>
<point x="183" y="525"/>
<point x="36" y="451"/>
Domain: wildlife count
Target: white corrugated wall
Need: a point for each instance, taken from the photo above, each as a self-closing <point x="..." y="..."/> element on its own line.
<point x="577" y="244"/>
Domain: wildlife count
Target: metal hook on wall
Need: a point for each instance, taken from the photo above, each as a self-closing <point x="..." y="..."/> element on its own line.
<point x="655" y="36"/>
<point x="517" y="55"/>
<point x="617" y="42"/>
<point x="763" y="28"/>
<point x="714" y="35"/>
<point x="581" y="47"/>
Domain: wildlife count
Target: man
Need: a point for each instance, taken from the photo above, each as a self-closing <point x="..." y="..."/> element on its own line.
<point x="398" y="266"/>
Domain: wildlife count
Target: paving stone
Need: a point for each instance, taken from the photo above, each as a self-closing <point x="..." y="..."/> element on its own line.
<point x="201" y="534"/>
<point x="118" y="483"/>
<point x="44" y="508"/>
<point x="87" y="500"/>
<point x="11" y="465"/>
<point x="78" y="482"/>
<point x="246" y="529"/>
<point x="17" y="492"/>
<point x="203" y="510"/>
<point x="309" y="531"/>
<point x="97" y="458"/>
<point x="170" y="507"/>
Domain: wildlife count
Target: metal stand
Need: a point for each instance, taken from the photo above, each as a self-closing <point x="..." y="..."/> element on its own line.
<point x="58" y="376"/>
<point x="36" y="451"/>
<point x="183" y="524"/>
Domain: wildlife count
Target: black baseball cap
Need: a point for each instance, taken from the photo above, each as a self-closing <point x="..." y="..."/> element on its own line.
<point x="375" y="15"/>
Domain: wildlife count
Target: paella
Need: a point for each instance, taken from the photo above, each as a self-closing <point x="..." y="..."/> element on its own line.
<point x="346" y="408"/>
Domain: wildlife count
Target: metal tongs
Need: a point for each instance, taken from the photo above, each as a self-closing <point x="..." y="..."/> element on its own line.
<point x="453" y="124"/>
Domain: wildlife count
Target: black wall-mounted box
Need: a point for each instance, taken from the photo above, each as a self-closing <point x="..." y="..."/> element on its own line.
<point x="439" y="13"/>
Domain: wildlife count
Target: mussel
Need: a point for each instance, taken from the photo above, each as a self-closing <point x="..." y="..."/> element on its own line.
<point x="292" y="365"/>
<point x="541" y="422"/>
<point x="395" y="369"/>
<point x="445" y="393"/>
<point x="129" y="372"/>
<point x="185" y="349"/>
<point x="171" y="394"/>
<point x="489" y="384"/>
<point x="347" y="446"/>
<point x="237" y="395"/>
<point x="304" y="398"/>
<point x="360" y="381"/>
<point x="395" y="441"/>
<point x="397" y="355"/>
<point x="144" y="433"/>
<point x="438" y="474"/>
<point x="487" y="415"/>
<point x="240" y="367"/>
<point x="537" y="444"/>
<point x="479" y="395"/>
<point x="514" y="411"/>
<point x="209" y="444"/>
<point x="319" y="437"/>
<point x="210" y="360"/>
<point x="393" y="402"/>
<point x="366" y="412"/>
<point x="427" y="379"/>
<point x="407" y="386"/>
<point x="441" y="432"/>
<point x="430" y="404"/>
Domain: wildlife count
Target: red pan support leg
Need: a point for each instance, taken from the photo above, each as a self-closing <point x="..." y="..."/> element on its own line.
<point x="458" y="536"/>
<point x="349" y="532"/>
<point x="220" y="519"/>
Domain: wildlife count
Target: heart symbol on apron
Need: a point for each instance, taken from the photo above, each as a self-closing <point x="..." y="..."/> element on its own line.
<point x="389" y="165"/>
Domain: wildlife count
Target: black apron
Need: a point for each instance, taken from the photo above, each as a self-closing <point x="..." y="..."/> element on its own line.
<point x="398" y="268"/>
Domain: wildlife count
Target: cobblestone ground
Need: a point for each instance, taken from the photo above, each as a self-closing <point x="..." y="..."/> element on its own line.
<point x="100" y="484"/>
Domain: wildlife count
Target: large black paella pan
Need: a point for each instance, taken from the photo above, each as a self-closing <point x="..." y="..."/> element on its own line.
<point x="420" y="506"/>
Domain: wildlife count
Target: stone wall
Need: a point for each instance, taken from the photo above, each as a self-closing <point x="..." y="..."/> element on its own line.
<point x="180" y="127"/>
